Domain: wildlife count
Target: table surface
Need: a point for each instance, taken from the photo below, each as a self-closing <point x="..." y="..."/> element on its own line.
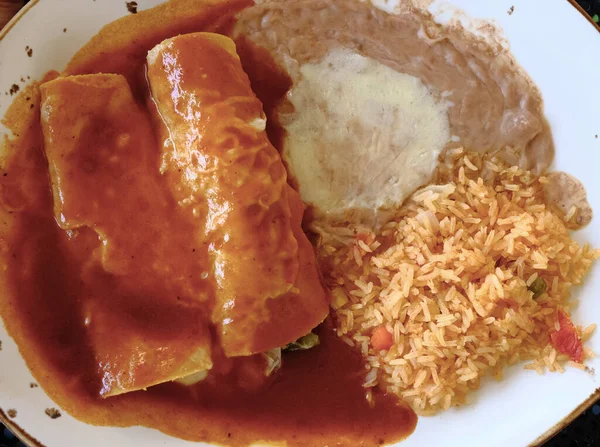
<point x="583" y="432"/>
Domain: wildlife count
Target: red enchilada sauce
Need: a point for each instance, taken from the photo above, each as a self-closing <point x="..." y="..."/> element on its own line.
<point x="316" y="398"/>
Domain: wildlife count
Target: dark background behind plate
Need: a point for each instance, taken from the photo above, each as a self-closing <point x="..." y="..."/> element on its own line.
<point x="583" y="432"/>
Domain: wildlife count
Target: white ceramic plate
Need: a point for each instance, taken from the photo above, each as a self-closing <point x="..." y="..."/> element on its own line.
<point x="554" y="43"/>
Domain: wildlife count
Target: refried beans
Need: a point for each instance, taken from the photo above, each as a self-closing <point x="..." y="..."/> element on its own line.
<point x="492" y="104"/>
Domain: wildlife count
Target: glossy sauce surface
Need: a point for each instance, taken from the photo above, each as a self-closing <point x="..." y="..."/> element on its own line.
<point x="315" y="399"/>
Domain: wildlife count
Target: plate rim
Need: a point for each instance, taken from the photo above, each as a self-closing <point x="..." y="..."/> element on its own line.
<point x="18" y="16"/>
<point x="30" y="441"/>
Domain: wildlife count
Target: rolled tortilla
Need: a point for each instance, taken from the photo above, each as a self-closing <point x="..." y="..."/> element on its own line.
<point x="217" y="153"/>
<point x="99" y="143"/>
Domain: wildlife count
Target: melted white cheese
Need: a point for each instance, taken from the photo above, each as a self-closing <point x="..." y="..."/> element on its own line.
<point x="362" y="136"/>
